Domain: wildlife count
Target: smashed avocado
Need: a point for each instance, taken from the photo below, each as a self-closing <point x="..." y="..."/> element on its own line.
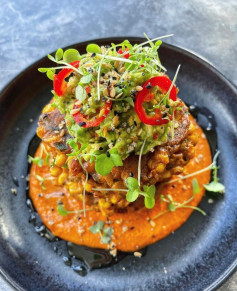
<point x="119" y="83"/>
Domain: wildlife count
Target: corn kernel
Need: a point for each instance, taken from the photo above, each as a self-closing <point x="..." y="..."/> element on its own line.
<point x="55" y="171"/>
<point x="62" y="177"/>
<point x="160" y="168"/>
<point x="114" y="198"/>
<point x="166" y="175"/>
<point x="60" y="160"/>
<point x="75" y="188"/>
<point x="88" y="187"/>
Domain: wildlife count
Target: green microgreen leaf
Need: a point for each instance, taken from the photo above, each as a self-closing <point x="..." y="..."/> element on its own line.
<point x="132" y="183"/>
<point x="72" y="144"/>
<point x="129" y="100"/>
<point x="195" y="186"/>
<point x="86" y="79"/>
<point x="149" y="198"/>
<point x="80" y="93"/>
<point x="103" y="165"/>
<point x="116" y="159"/>
<point x="50" y="74"/>
<point x="171" y="206"/>
<point x="105" y="239"/>
<point x="47" y="159"/>
<point x="61" y="210"/>
<point x="51" y="58"/>
<point x="150" y="190"/>
<point x="71" y="55"/>
<point x="97" y="227"/>
<point x="59" y="54"/>
<point x="132" y="196"/>
<point x="133" y="189"/>
<point x="108" y="231"/>
<point x="38" y="161"/>
<point x="150" y="202"/>
<point x="105" y="233"/>
<point x="41" y="180"/>
<point x="43" y="70"/>
<point x="93" y="48"/>
<point x="215" y="187"/>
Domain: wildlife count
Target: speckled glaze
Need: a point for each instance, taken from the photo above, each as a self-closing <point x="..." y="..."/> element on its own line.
<point x="196" y="257"/>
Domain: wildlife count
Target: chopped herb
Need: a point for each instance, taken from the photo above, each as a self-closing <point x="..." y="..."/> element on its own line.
<point x="38" y="161"/>
<point x="105" y="233"/>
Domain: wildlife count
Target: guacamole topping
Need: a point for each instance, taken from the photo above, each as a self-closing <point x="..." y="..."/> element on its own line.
<point x="97" y="91"/>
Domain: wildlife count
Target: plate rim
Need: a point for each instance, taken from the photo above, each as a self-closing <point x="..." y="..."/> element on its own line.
<point x="191" y="54"/>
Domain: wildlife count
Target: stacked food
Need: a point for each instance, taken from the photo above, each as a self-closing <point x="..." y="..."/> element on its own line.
<point x="112" y="135"/>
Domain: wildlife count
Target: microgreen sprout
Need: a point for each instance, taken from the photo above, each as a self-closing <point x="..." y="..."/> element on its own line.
<point x="64" y="212"/>
<point x="41" y="180"/>
<point x="173" y="205"/>
<point x="37" y="160"/>
<point x="103" y="162"/>
<point x="213" y="186"/>
<point x="105" y="233"/>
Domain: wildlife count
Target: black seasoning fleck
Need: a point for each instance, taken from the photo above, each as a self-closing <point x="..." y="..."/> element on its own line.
<point x="114" y="78"/>
<point x="100" y="148"/>
<point x="131" y="174"/>
<point x="93" y="55"/>
<point x="164" y="115"/>
<point x="45" y="116"/>
<point x="148" y="86"/>
<point x="89" y="94"/>
<point x="103" y="99"/>
<point x="135" y="123"/>
<point x="132" y="227"/>
<point x="173" y="186"/>
<point x="108" y="154"/>
<point x="52" y="209"/>
<point x="82" y="123"/>
<point x="116" y="70"/>
<point x="167" y="106"/>
<point x="102" y="74"/>
<point x="143" y="74"/>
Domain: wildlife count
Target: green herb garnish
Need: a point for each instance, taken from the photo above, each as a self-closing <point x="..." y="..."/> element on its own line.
<point x="105" y="233"/>
<point x="41" y="180"/>
<point x="64" y="212"/>
<point x="38" y="161"/>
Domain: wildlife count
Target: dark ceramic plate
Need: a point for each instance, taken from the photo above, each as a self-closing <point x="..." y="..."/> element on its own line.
<point x="200" y="255"/>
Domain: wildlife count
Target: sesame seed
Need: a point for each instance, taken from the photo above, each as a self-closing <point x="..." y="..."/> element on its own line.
<point x="124" y="228"/>
<point x="152" y="223"/>
<point x="137" y="254"/>
<point x="121" y="70"/>
<point x="112" y="92"/>
<point x="14" y="191"/>
<point x="74" y="111"/>
<point x="138" y="88"/>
